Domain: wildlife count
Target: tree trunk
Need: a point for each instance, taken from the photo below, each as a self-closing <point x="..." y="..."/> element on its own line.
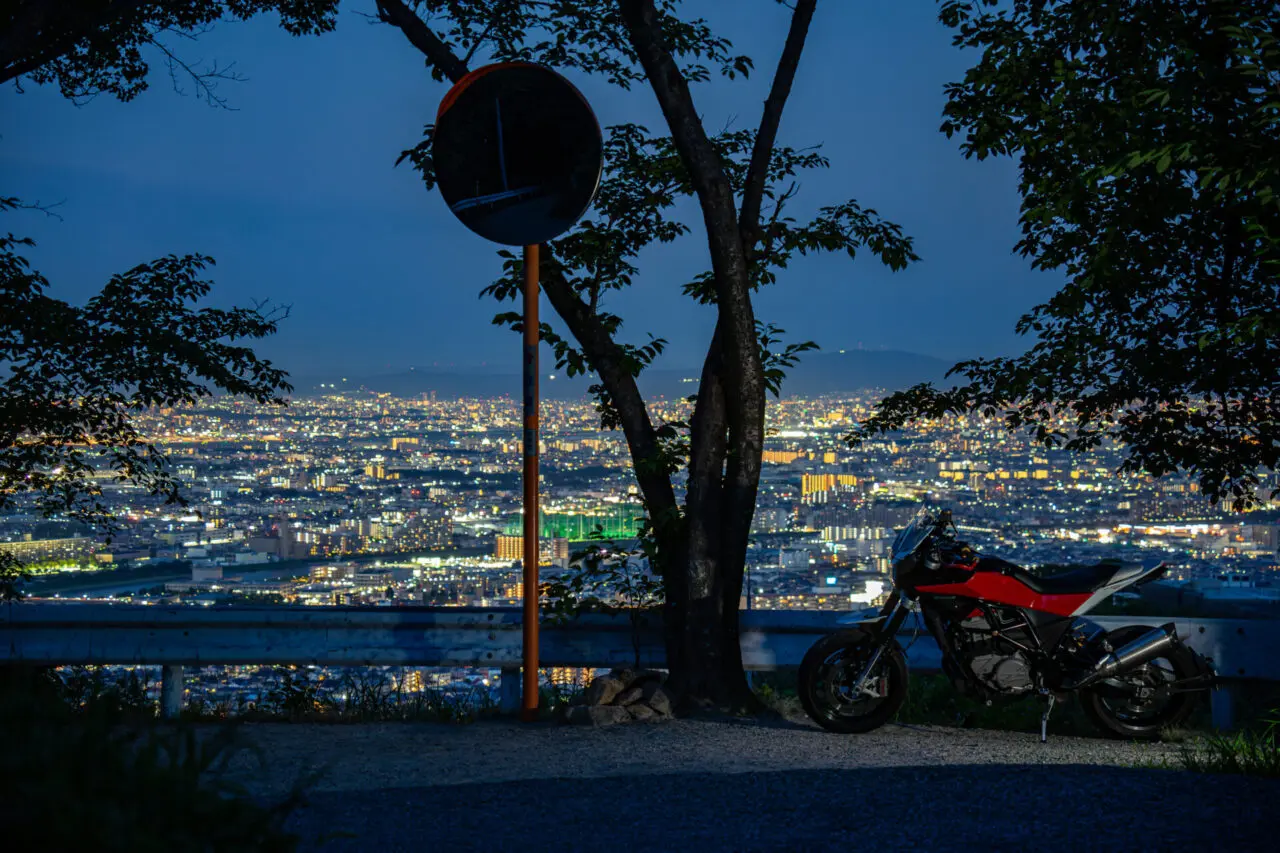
<point x="706" y="658"/>
<point x="701" y="555"/>
<point x="706" y="670"/>
<point x="727" y="435"/>
<point x="694" y="658"/>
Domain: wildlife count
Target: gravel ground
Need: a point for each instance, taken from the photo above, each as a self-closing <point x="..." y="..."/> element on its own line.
<point x="740" y="786"/>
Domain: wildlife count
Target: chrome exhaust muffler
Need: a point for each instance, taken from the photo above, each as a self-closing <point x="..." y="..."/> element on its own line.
<point x="1151" y="645"/>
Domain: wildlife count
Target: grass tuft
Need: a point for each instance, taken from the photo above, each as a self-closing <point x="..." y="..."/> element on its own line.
<point x="1248" y="753"/>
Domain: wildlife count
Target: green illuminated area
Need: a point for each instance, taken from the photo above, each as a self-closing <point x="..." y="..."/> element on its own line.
<point x="619" y="522"/>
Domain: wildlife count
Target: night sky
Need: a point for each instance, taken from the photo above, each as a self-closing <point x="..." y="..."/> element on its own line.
<point x="294" y="193"/>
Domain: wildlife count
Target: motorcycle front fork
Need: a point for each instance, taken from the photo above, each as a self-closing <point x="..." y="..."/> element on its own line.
<point x="896" y="608"/>
<point x="860" y="684"/>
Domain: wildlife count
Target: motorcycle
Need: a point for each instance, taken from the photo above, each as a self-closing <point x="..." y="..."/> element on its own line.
<point x="1004" y="633"/>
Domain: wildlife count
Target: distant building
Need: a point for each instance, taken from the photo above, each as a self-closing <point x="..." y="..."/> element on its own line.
<point x="559" y="552"/>
<point x="340" y="571"/>
<point x="377" y="469"/>
<point x="284" y="544"/>
<point x="430" y="530"/>
<point x="200" y="574"/>
<point x="508" y="547"/>
<point x="45" y="550"/>
<point x="817" y="488"/>
<point x="770" y="519"/>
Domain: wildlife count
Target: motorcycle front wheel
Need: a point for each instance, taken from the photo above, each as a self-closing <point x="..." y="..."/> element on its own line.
<point x="829" y="672"/>
<point x="1139" y="704"/>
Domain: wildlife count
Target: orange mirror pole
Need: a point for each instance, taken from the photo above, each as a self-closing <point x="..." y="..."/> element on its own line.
<point x="532" y="516"/>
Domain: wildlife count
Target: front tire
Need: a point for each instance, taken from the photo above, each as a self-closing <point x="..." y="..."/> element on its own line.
<point x="1142" y="718"/>
<point x="826" y="679"/>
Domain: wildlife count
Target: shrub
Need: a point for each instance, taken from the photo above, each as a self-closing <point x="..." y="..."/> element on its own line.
<point x="91" y="778"/>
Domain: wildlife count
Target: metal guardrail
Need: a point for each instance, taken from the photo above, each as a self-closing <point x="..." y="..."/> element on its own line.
<point x="173" y="637"/>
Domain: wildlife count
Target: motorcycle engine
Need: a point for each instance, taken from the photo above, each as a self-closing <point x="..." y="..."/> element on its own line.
<point x="993" y="657"/>
<point x="1003" y="673"/>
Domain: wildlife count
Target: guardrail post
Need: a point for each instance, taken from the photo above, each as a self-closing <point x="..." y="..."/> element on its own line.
<point x="171" y="692"/>
<point x="1222" y="706"/>
<point x="509" y="687"/>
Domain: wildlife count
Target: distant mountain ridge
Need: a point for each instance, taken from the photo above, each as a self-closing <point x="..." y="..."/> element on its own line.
<point x="818" y="373"/>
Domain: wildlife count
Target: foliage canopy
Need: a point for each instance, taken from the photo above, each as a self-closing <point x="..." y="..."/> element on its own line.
<point x="92" y="47"/>
<point x="74" y="377"/>
<point x="1148" y="140"/>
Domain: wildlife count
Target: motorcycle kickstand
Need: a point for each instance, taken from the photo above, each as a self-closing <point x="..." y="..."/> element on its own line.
<point x="1049" y="700"/>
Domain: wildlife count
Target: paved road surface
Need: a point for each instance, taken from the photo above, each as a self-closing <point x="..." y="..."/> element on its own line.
<point x="735" y="786"/>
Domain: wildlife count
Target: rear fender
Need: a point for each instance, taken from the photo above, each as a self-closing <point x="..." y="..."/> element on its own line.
<point x="1151" y="573"/>
<point x="1130" y="575"/>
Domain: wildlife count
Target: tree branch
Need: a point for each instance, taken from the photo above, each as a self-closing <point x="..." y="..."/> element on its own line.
<point x="733" y="360"/>
<point x="21" y="51"/>
<point x="200" y="78"/>
<point x="13" y="203"/>
<point x="672" y="90"/>
<point x="740" y="365"/>
<point x="605" y="357"/>
<point x="483" y="35"/>
<point x="767" y="134"/>
<point x="421" y="36"/>
<point x="12" y="70"/>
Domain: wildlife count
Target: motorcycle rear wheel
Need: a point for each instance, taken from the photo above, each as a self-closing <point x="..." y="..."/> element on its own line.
<point x="826" y="679"/>
<point x="1134" y="718"/>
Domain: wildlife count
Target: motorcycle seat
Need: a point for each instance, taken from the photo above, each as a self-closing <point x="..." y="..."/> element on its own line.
<point x="1076" y="581"/>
